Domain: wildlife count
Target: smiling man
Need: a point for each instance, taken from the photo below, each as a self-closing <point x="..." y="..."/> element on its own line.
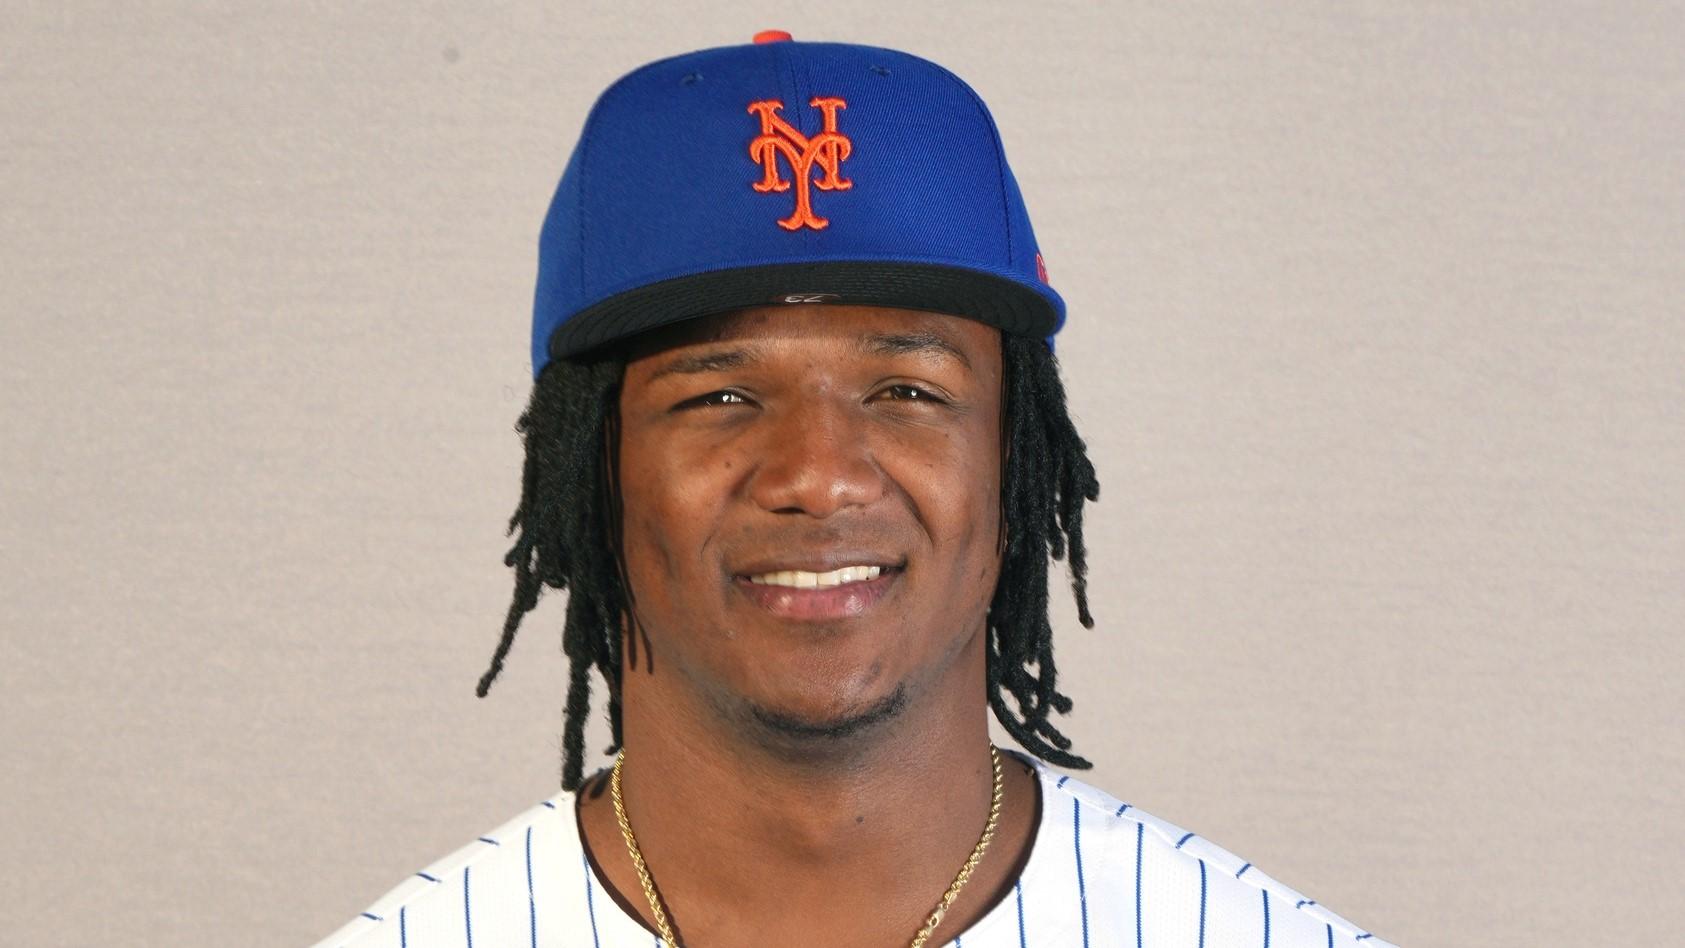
<point x="798" y="452"/>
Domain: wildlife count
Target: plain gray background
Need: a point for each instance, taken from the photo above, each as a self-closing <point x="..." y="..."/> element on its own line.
<point x="1374" y="334"/>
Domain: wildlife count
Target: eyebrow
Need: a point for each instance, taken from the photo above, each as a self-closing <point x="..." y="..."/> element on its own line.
<point x="880" y="344"/>
<point x="912" y="343"/>
<point x="698" y="363"/>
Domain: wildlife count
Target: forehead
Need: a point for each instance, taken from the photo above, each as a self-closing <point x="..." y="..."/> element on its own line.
<point x="835" y="330"/>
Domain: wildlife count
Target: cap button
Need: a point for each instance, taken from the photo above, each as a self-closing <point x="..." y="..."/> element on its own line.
<point x="772" y="36"/>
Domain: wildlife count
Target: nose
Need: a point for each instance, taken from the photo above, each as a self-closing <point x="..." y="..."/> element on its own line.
<point x="814" y="459"/>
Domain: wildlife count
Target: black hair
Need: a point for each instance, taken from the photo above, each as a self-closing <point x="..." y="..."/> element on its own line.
<point x="569" y="516"/>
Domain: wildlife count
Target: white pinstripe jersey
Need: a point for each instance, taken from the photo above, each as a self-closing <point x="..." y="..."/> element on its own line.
<point x="1100" y="873"/>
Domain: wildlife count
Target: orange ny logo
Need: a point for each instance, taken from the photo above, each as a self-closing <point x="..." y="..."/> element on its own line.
<point x="826" y="149"/>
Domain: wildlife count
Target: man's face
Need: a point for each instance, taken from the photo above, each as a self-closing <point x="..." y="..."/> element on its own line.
<point x="811" y="503"/>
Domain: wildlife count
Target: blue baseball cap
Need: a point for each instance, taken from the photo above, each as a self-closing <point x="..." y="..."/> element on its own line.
<point x="785" y="172"/>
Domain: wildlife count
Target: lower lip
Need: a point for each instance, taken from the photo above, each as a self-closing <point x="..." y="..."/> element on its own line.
<point x="830" y="602"/>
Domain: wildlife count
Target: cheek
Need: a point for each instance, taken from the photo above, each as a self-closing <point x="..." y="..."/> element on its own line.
<point x="953" y="484"/>
<point x="671" y="500"/>
<point x="651" y="554"/>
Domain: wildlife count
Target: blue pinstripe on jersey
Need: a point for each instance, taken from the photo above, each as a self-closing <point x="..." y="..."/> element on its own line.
<point x="589" y="907"/>
<point x="1019" y="888"/>
<point x="1266" y="896"/>
<point x="371" y="915"/>
<point x="403" y="927"/>
<point x="532" y="902"/>
<point x="1330" y="934"/>
<point x="467" y="916"/>
<point x="1076" y="839"/>
<point x="1202" y="903"/>
<point x="1140" y="829"/>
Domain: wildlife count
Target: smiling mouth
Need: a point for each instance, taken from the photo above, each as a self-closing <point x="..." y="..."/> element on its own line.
<point x="802" y="579"/>
<point x="842" y="593"/>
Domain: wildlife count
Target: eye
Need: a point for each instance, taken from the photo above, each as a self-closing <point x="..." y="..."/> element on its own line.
<point x="903" y="392"/>
<point x="721" y="397"/>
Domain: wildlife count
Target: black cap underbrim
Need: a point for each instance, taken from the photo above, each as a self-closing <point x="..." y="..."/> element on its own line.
<point x="994" y="300"/>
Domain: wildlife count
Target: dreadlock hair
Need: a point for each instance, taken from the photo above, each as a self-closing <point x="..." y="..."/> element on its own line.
<point x="569" y="517"/>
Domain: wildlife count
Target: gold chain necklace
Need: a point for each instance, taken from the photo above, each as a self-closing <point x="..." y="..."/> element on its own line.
<point x="918" y="940"/>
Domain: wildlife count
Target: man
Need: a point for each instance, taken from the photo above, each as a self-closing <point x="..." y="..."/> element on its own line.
<point x="798" y="451"/>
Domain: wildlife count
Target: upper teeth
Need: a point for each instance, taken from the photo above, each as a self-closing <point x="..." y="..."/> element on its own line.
<point x="801" y="579"/>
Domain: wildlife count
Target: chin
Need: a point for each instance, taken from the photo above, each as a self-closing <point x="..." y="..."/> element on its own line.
<point x="809" y="731"/>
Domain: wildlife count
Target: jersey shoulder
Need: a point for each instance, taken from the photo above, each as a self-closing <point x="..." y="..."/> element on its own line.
<point x="483" y="886"/>
<point x="1142" y="846"/>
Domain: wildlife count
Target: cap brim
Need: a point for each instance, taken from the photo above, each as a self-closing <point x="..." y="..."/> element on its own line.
<point x="995" y="300"/>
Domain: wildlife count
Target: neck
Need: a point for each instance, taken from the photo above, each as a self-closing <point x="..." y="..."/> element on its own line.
<point x="869" y="828"/>
<point x="839" y="803"/>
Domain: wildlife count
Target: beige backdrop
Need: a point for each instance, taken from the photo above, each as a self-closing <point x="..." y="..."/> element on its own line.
<point x="1375" y="335"/>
